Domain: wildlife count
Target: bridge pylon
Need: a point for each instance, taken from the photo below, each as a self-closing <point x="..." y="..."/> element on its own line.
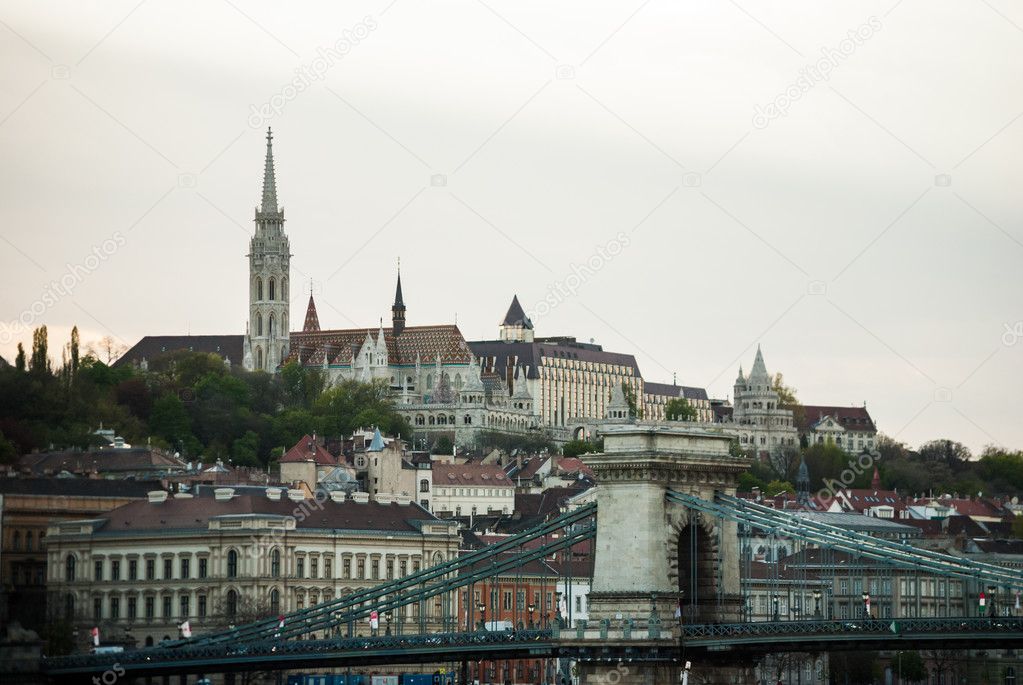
<point x="658" y="564"/>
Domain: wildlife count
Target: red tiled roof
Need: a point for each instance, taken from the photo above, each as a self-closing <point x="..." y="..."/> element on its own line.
<point x="850" y="418"/>
<point x="470" y="474"/>
<point x="574" y="465"/>
<point x="339" y="346"/>
<point x="307" y="449"/>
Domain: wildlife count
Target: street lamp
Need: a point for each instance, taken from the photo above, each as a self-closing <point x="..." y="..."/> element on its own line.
<point x="992" y="590"/>
<point x="774" y="603"/>
<point x="817" y="604"/>
<point x="483" y="615"/>
<point x="531" y="608"/>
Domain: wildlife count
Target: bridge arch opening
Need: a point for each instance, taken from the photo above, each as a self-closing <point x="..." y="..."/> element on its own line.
<point x="698" y="560"/>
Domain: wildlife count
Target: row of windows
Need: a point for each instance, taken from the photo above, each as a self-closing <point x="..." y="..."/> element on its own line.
<point x="148" y="606"/>
<point x="113" y="570"/>
<point x="360" y="567"/>
<point x="272" y="328"/>
<point x="474" y="492"/>
<point x="271" y="289"/>
<point x="30" y="541"/>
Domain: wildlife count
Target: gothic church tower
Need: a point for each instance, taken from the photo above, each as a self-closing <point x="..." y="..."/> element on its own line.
<point x="269" y="278"/>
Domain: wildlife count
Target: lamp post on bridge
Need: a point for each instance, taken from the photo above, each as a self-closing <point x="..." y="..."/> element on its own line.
<point x="817" y="604"/>
<point x="531" y="608"/>
<point x="483" y="615"/>
<point x="992" y="590"/>
<point x="774" y="606"/>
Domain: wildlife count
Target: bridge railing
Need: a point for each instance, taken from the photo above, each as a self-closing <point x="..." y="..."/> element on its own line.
<point x="888" y="627"/>
<point x="279" y="647"/>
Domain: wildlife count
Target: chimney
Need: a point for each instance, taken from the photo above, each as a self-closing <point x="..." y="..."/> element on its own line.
<point x="157" y="496"/>
<point x="296" y="495"/>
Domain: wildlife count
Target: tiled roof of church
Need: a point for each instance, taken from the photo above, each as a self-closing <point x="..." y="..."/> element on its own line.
<point x="152" y="346"/>
<point x="312" y="321"/>
<point x="340" y="345"/>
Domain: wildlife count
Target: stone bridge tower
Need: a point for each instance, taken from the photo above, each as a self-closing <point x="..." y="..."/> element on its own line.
<point x="652" y="556"/>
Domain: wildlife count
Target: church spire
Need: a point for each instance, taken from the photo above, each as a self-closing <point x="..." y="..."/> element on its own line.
<point x="312" y="320"/>
<point x="398" y="308"/>
<point x="269" y="182"/>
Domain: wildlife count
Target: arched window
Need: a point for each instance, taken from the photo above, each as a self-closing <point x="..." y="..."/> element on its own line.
<point x="284" y="289"/>
<point x="259" y="288"/>
<point x="275" y="563"/>
<point x="259" y="324"/>
<point x="149" y="641"/>
<point x="275" y="601"/>
<point x="232" y="603"/>
<point x="458" y="381"/>
<point x="467" y="420"/>
<point x="284" y="354"/>
<point x="232" y="564"/>
<point x="273" y="290"/>
<point x="69" y="567"/>
<point x="16" y="541"/>
<point x="420" y="420"/>
<point x="424" y="485"/>
<point x="259" y="357"/>
<point x="28" y="541"/>
<point x="271" y="324"/>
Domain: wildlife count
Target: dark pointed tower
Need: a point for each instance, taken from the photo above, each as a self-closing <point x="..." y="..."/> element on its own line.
<point x="803" y="484"/>
<point x="269" y="275"/>
<point x="516" y="326"/>
<point x="398" y="308"/>
<point x="312" y="320"/>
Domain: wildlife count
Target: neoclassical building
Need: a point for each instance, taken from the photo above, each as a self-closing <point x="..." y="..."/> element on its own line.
<point x="148" y="566"/>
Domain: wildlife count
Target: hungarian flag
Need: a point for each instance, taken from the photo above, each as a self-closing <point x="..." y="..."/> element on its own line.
<point x="983" y="601"/>
<point x="280" y="621"/>
<point x="186" y="630"/>
<point x="374" y="620"/>
<point x="95" y="636"/>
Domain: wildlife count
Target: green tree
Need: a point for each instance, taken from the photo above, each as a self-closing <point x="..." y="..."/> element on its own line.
<point x="951" y="453"/>
<point x="776" y="487"/>
<point x="8" y="453"/>
<point x="679" y="409"/>
<point x="19" y="361"/>
<point x="351" y="405"/>
<point x="574" y="448"/>
<point x="170" y="421"/>
<point x="40" y="362"/>
<point x="910" y="665"/>
<point x="786" y="394"/>
<point x="245" y="450"/>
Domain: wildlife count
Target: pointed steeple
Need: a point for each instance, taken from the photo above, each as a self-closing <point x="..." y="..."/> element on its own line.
<point x="759" y="371"/>
<point x="312" y="321"/>
<point x="398" y="308"/>
<point x="269" y="182"/>
<point x="875" y="482"/>
<point x="803" y="484"/>
<point x="516" y="326"/>
<point x="377" y="443"/>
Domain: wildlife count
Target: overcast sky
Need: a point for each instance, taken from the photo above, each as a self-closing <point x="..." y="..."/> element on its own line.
<point x="680" y="181"/>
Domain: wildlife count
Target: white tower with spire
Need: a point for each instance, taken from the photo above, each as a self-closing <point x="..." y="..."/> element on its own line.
<point x="267" y="340"/>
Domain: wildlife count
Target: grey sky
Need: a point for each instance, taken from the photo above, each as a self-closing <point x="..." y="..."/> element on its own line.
<point x="869" y="238"/>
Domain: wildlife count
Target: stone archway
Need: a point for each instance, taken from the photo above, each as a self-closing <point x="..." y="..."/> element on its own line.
<point x="694" y="560"/>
